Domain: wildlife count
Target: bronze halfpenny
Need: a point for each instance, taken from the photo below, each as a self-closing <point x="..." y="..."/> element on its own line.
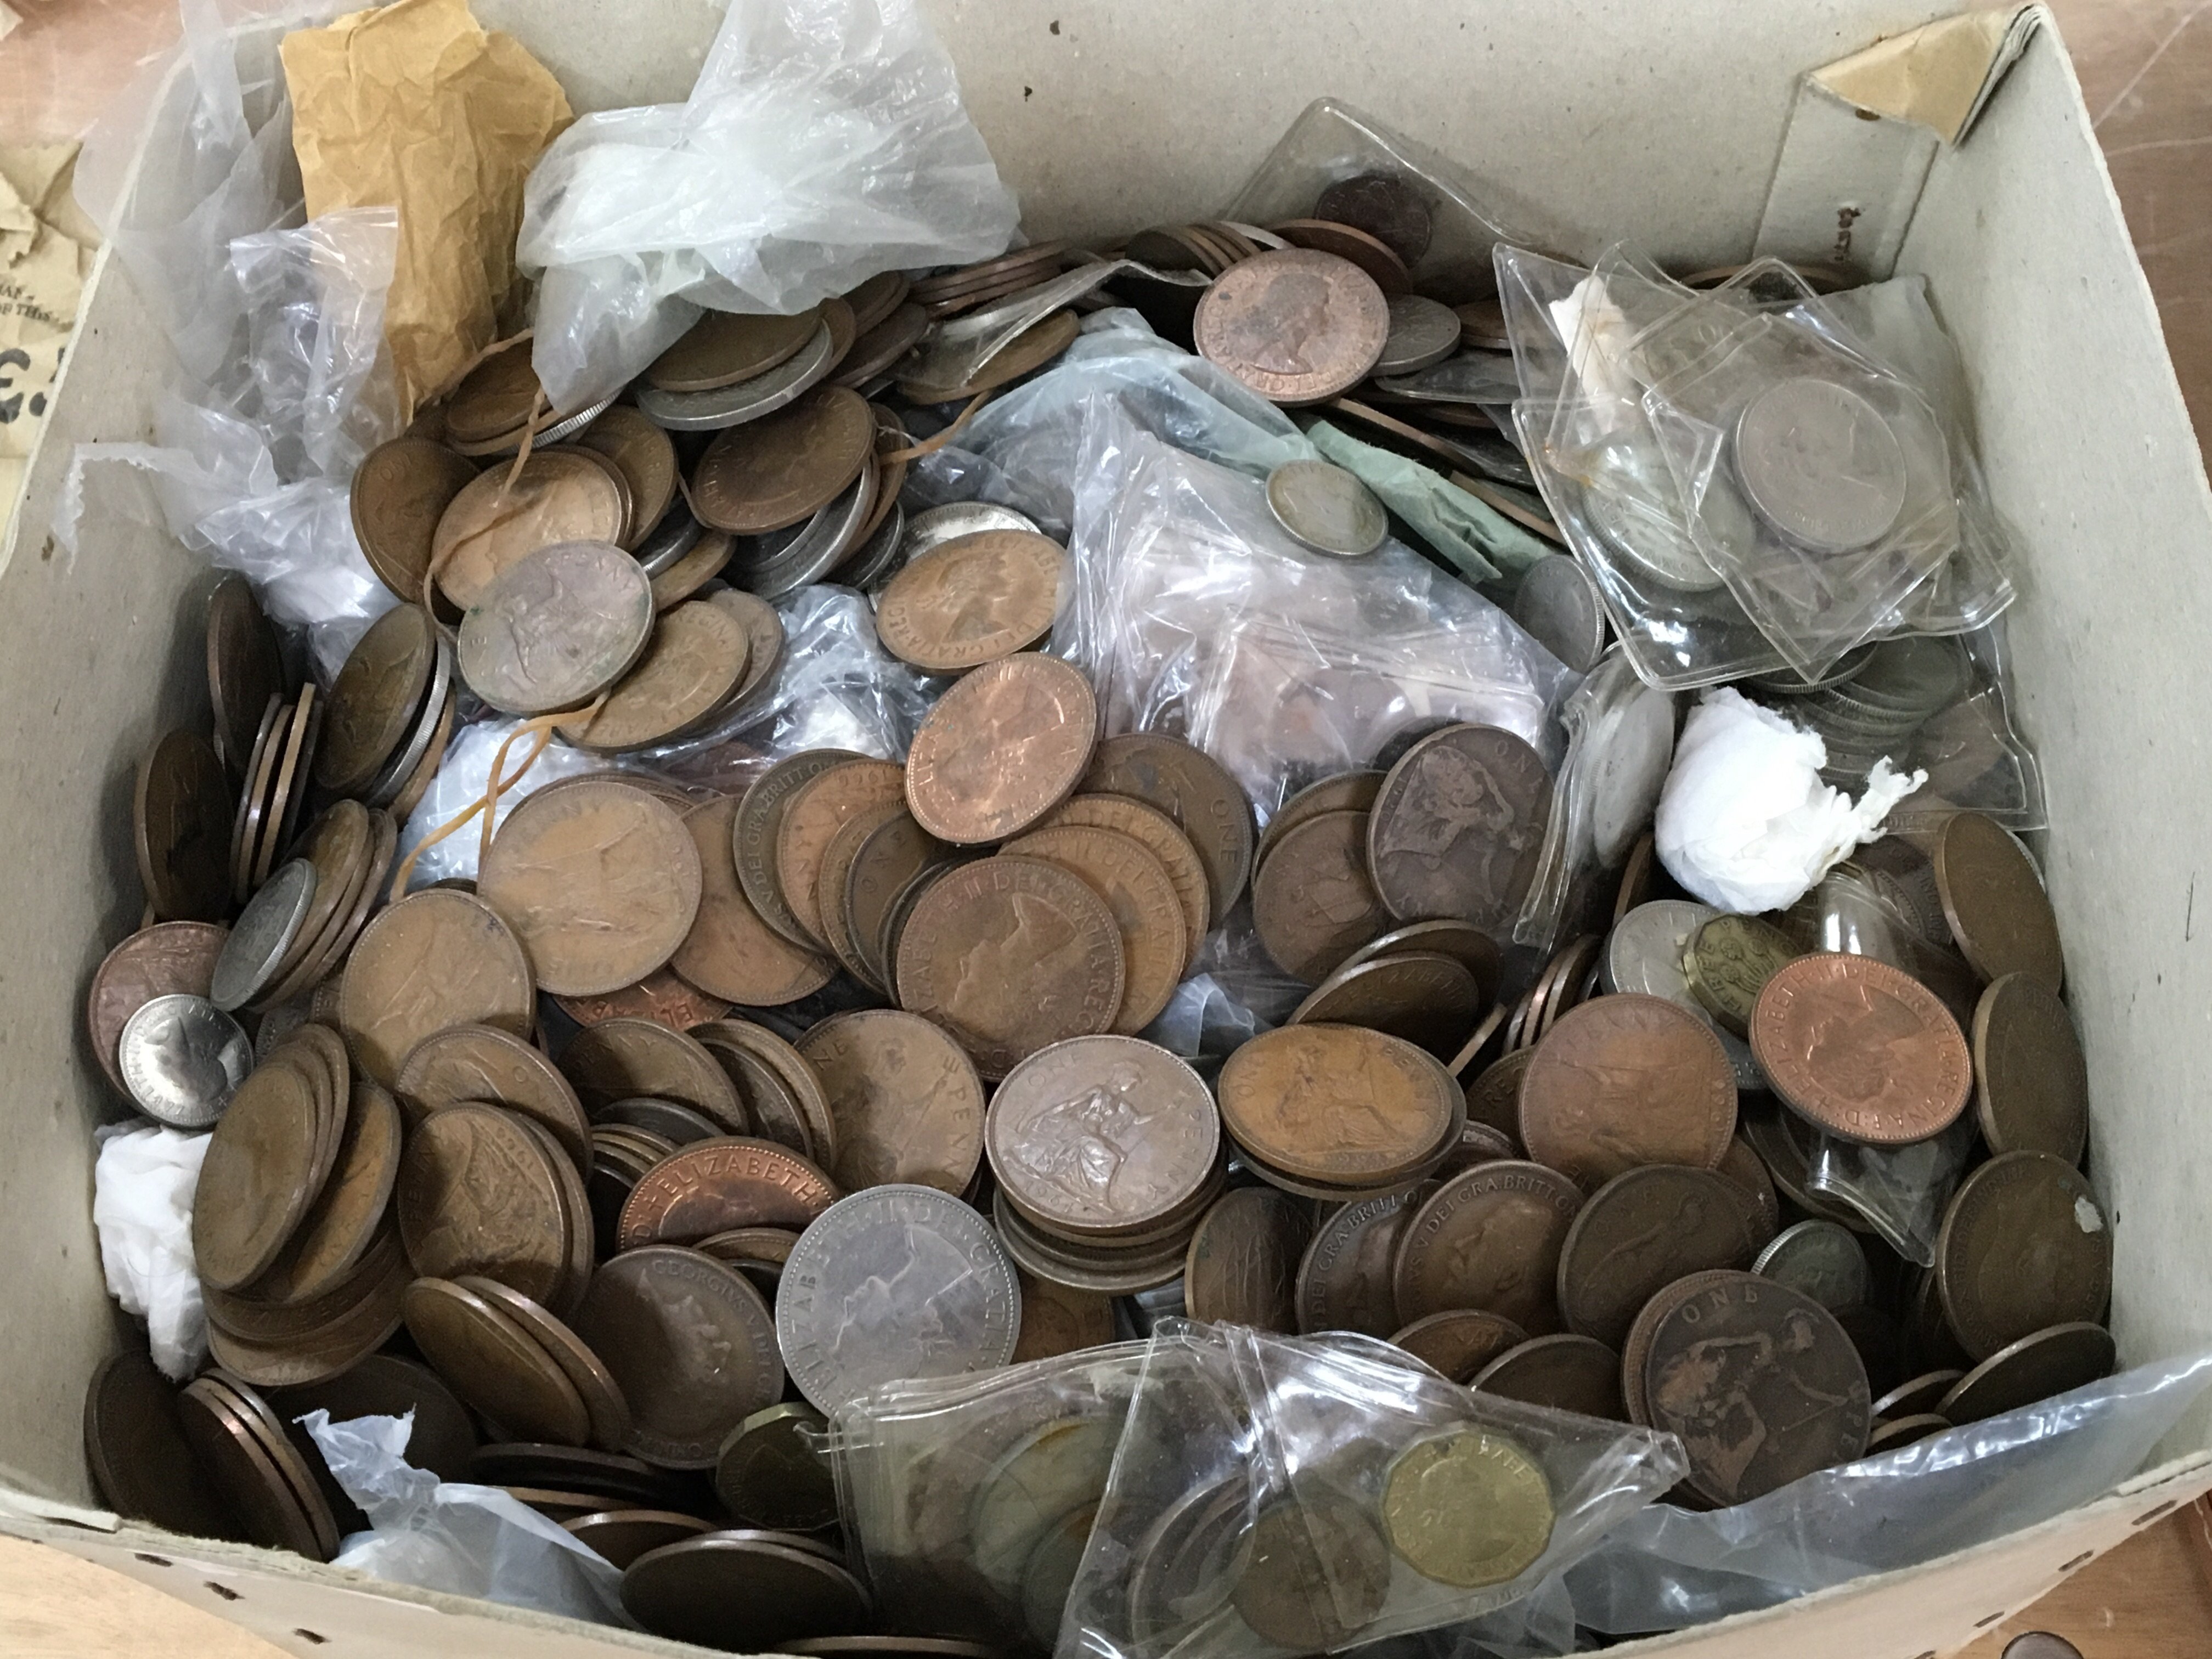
<point x="1242" y="1264"/>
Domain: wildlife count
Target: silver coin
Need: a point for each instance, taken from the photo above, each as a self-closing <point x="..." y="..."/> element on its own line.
<point x="1050" y="1474"/>
<point x="1749" y="1079"/>
<point x="773" y="565"/>
<point x="1326" y="509"/>
<point x="566" y="427"/>
<point x="676" y="534"/>
<point x="748" y="400"/>
<point x="1626" y="752"/>
<point x="2040" y="1644"/>
<point x="896" y="1282"/>
<point x="1645" y="952"/>
<point x="1472" y="376"/>
<point x="393" y="778"/>
<point x="940" y="525"/>
<point x="556" y="628"/>
<point x="264" y="932"/>
<point x="1558" y="603"/>
<point x="875" y="563"/>
<point x="1822" y="1259"/>
<point x="182" y="1058"/>
<point x="1820" y="464"/>
<point x="1423" y="333"/>
<point x="1654" y="545"/>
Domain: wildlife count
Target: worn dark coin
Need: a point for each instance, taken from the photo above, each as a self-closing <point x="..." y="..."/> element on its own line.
<point x="2043" y="1362"/>
<point x="774" y="1471"/>
<point x="1491" y="1239"/>
<point x="624" y="1058"/>
<point x="268" y="1508"/>
<point x="1862" y="1049"/>
<point x="1141" y="895"/>
<point x="258" y="1177"/>
<point x="245" y="669"/>
<point x="781" y="471"/>
<point x="1384" y="205"/>
<point x="1428" y="999"/>
<point x="1566" y="1372"/>
<point x="1728" y="963"/>
<point x="1640" y="1232"/>
<point x="622" y="1536"/>
<point x="811" y="819"/>
<point x="386" y="1385"/>
<point x="731" y="951"/>
<point x="743" y="1592"/>
<point x="141" y="1461"/>
<point x="1891" y="1433"/>
<point x="1821" y="1259"/>
<point x="1741" y="1165"/>
<point x="1313" y="901"/>
<point x="1326" y="509"/>
<point x="1627" y="1080"/>
<point x="375" y="699"/>
<point x="555" y="627"/>
<point x="435" y="959"/>
<point x="1344" y="1282"/>
<point x="1058" y="1320"/>
<point x="1458" y="1342"/>
<point x="1999" y="913"/>
<point x="691" y="667"/>
<point x="1470" y="946"/>
<point x="182" y="819"/>
<point x="2031" y="1080"/>
<point x="1346" y="792"/>
<point x="907" y="1102"/>
<point x="1196" y="792"/>
<point x="1458" y="827"/>
<point x="1315" y="1573"/>
<point x="478" y="1194"/>
<point x="2025" y="1245"/>
<point x="1493" y="1098"/>
<point x="1001" y="749"/>
<point x="605" y="1405"/>
<point x="1242" y="1265"/>
<point x="1339" y="1104"/>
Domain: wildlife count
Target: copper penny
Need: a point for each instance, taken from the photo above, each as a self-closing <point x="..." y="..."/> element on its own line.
<point x="1242" y="1264"/>
<point x="344" y="1219"/>
<point x="1001" y="749"/>
<point x="630" y="1059"/>
<point x="1742" y="1165"/>
<point x="1102" y="1135"/>
<point x="258" y="1178"/>
<point x="499" y="395"/>
<point x="907" y="1102"/>
<point x="1458" y="826"/>
<point x="1056" y="1319"/>
<point x="757" y="826"/>
<point x="1490" y="1239"/>
<point x="1761" y="1382"/>
<point x="763" y="632"/>
<point x="1313" y="901"/>
<point x="1494" y="1097"/>
<point x="1138" y="890"/>
<point x="1347" y="792"/>
<point x="599" y="881"/>
<point x="475" y="1062"/>
<point x="264" y="1505"/>
<point x="253" y="800"/>
<point x="1459" y="1342"/>
<point x="731" y="952"/>
<point x="554" y="627"/>
<point x="492" y="1362"/>
<point x="723" y="347"/>
<point x="889" y="859"/>
<point x="2025" y="1244"/>
<point x="478" y="1194"/>
<point x="660" y="997"/>
<point x="245" y="669"/>
<point x="435" y="959"/>
<point x="1157" y="833"/>
<point x="294" y="754"/>
<point x="1566" y="1372"/>
<point x="2031" y="1081"/>
<point x="1195" y="791"/>
<point x="1336" y="1104"/>
<point x="783" y="1090"/>
<point x="1862" y="1049"/>
<point x="1295" y="325"/>
<point x="1624" y="1080"/>
<point x="181" y="820"/>
<point x="646" y="458"/>
<point x="170" y="958"/>
<point x="973" y="598"/>
<point x="695" y="659"/>
<point x="882" y="344"/>
<point x="784" y="468"/>
<point x="491" y="523"/>
<point x="1011" y="955"/>
<point x="831" y="883"/>
<point x="1639" y="1233"/>
<point x="337" y="844"/>
<point x="1370" y="253"/>
<point x="1344" y="1282"/>
<point x="1428" y="999"/>
<point x="2052" y="1361"/>
<point x="712" y="1185"/>
<point x="603" y="1404"/>
<point x="816" y="809"/>
<point x="376" y="698"/>
<point x="1992" y="897"/>
<point x="691" y="1346"/>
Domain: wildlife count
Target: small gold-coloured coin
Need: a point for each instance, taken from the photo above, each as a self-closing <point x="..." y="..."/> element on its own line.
<point x="1467" y="1508"/>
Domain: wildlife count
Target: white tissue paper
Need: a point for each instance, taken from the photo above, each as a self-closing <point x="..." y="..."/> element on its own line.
<point x="1745" y="822"/>
<point x="447" y="1535"/>
<point x="141" y="1204"/>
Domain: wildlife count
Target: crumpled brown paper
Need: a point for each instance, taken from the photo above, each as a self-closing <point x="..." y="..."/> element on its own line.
<point x="46" y="246"/>
<point x="417" y="106"/>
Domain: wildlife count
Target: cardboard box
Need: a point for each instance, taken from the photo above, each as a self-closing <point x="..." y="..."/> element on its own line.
<point x="1685" y="128"/>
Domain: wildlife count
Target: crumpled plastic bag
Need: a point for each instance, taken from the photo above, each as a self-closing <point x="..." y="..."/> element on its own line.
<point x="465" y="1540"/>
<point x="823" y="142"/>
<point x="1745" y="822"/>
<point x="141" y="1206"/>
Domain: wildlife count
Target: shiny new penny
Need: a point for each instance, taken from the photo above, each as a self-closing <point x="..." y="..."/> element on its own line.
<point x="556" y="628"/>
<point x="1862" y="1049"/>
<point x="400" y="491"/>
<point x="1313" y="901"/>
<point x="1344" y="1282"/>
<point x="907" y="1102"/>
<point x="170" y="958"/>
<point x="1491" y="1239"/>
<point x="1137" y="888"/>
<point x="731" y="952"/>
<point x="973" y="599"/>
<point x="713" y="1186"/>
<point x="376" y="698"/>
<point x="1336" y="1104"/>
<point x="1761" y="1382"/>
<point x="1425" y="997"/>
<point x="1011" y="955"/>
<point x="478" y="1062"/>
<point x="783" y="469"/>
<point x="599" y="881"/>
<point x="1639" y="1233"/>
<point x="1157" y="833"/>
<point x="436" y="958"/>
<point x="1567" y="1372"/>
<point x="181" y="818"/>
<point x="1102" y="1134"/>
<point x="1727" y="963"/>
<point x="1001" y="749"/>
<point x="1999" y="913"/>
<point x="815" y="812"/>
<point x="1458" y="826"/>
<point x="479" y="1194"/>
<point x="1241" y="1267"/>
<point x="2025" y="1244"/>
<point x="1459" y="1342"/>
<point x="1624" y="1080"/>
<point x="1196" y="792"/>
<point x="695" y="660"/>
<point x="2031" y="1080"/>
<point x="556" y="497"/>
<point x="1295" y="325"/>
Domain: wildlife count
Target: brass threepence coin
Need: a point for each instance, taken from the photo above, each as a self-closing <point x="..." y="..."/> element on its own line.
<point x="478" y="1062"/>
<point x="1466" y="1507"/>
<point x="2025" y="1244"/>
<point x="1297" y="327"/>
<point x="723" y="347"/>
<point x="815" y="812"/>
<point x="1313" y="901"/>
<point x="245" y="670"/>
<point x="1491" y="1239"/>
<point x="1196" y="792"/>
<point x="1138" y="890"/>
<point x="1156" y="832"/>
<point x="784" y="469"/>
<point x="479" y="1194"/>
<point x="627" y="1059"/>
<point x="170" y="958"/>
<point x="1627" y="1080"/>
<point x="1011" y="955"/>
<point x="1994" y="900"/>
<point x="695" y="659"/>
<point x="1727" y="963"/>
<point x="1458" y="827"/>
<point x="907" y="1102"/>
<point x="436" y="958"/>
<point x="1315" y="1573"/>
<point x="556" y="497"/>
<point x="1344" y="1282"/>
<point x="1459" y="1342"/>
<point x="973" y="599"/>
<point x="182" y="819"/>
<point x="1001" y="749"/>
<point x="1339" y="1103"/>
<point x="713" y="1186"/>
<point x="1862" y="1049"/>
<point x="774" y="1471"/>
<point x="2031" y="1081"/>
<point x="555" y="627"/>
<point x="599" y="881"/>
<point x="492" y="1362"/>
<point x="1428" y="999"/>
<point x="1640" y="1232"/>
<point x="1567" y="1372"/>
<point x="1242" y="1267"/>
<point x="731" y="952"/>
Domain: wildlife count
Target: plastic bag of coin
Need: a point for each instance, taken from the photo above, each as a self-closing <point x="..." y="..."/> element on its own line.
<point x="1670" y="1568"/>
<point x="1315" y="1493"/>
<point x="824" y="141"/>
<point x="1901" y="1192"/>
<point x="970" y="1498"/>
<point x="461" y="1539"/>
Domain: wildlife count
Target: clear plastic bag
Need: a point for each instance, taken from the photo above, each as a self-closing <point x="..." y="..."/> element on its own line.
<point x="1667" y="1568"/>
<point x="464" y="1540"/>
<point x="970" y="1500"/>
<point x="823" y="142"/>
<point x="1901" y="1191"/>
<point x="953" y="352"/>
<point x="1313" y="1494"/>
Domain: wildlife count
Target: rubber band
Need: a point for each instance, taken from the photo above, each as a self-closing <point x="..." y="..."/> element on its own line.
<point x="931" y="445"/>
